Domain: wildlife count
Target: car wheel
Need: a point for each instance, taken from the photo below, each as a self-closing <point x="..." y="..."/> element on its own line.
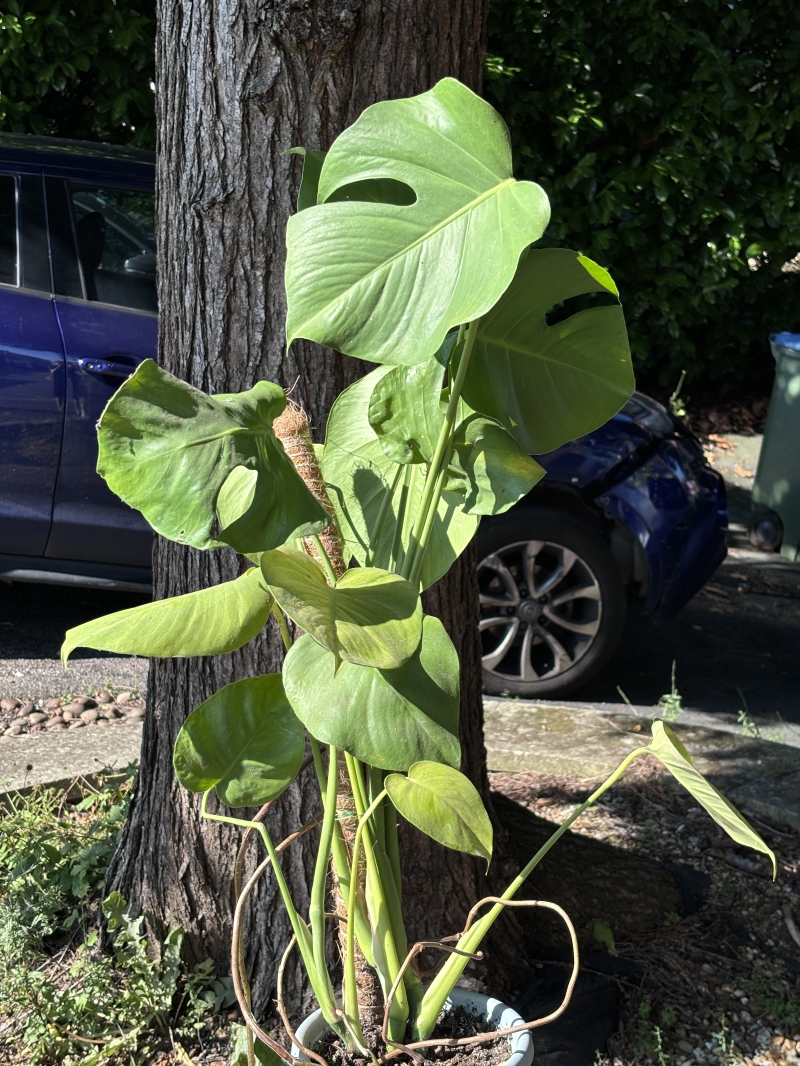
<point x="552" y="603"/>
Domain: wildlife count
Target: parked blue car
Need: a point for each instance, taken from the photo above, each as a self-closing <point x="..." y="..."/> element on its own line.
<point x="631" y="511"/>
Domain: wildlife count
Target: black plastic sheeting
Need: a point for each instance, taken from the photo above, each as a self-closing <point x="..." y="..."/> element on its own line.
<point x="591" y="1018"/>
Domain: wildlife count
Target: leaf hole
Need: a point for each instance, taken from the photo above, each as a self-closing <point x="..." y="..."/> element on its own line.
<point x="560" y="312"/>
<point x="375" y="191"/>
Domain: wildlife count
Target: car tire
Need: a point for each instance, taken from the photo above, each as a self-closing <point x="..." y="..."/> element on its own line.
<point x="551" y="640"/>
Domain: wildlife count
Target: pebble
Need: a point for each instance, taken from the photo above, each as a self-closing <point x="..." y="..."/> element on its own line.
<point x="89" y="715"/>
<point x="86" y="701"/>
<point x="108" y="712"/>
<point x="135" y="716"/>
<point x="13" y="731"/>
<point x="684" y="1045"/>
<point x="27" y="707"/>
<point x="10" y="704"/>
<point x="101" y="721"/>
<point x="54" y="723"/>
<point x="123" y="698"/>
<point x="75" y="708"/>
<point x="104" y="696"/>
<point x="76" y="723"/>
<point x="36" y="718"/>
<point x="19" y="721"/>
<point x="51" y="705"/>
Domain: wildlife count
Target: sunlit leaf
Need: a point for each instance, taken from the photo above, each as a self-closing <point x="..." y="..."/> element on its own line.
<point x="210" y="622"/>
<point x="167" y="449"/>
<point x="386" y="282"/>
<point x="245" y="741"/>
<point x="386" y="718"/>
<point x="445" y="805"/>
<point x="674" y="757"/>
<point x="371" y="617"/>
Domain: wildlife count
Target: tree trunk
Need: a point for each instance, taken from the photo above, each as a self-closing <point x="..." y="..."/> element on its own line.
<point x="238" y="85"/>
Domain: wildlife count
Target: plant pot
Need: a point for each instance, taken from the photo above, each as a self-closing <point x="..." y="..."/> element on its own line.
<point x="496" y="1013"/>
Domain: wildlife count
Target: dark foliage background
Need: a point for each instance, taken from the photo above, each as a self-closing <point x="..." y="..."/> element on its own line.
<point x="666" y="134"/>
<point x="80" y="69"/>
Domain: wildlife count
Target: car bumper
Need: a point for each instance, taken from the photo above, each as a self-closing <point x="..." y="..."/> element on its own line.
<point x="676" y="507"/>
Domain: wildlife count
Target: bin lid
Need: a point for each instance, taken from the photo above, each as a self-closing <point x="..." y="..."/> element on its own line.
<point x="786" y="340"/>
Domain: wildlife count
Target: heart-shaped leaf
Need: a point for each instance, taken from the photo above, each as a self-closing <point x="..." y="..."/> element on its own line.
<point x="371" y="617"/>
<point x="386" y="718"/>
<point x="674" y="757"/>
<point x="359" y="476"/>
<point x="210" y="622"/>
<point x="550" y="384"/>
<point x="245" y="741"/>
<point x="496" y="472"/>
<point x="167" y="449"/>
<point x="443" y="804"/>
<point x="386" y="282"/>
<point x="405" y="411"/>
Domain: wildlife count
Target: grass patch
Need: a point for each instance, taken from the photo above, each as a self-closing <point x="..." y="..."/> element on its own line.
<point x="62" y="1000"/>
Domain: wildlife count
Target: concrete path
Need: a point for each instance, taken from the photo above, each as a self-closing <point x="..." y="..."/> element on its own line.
<point x="573" y="740"/>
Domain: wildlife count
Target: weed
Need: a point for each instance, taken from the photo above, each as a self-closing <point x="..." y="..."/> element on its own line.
<point x="774" y="1000"/>
<point x="61" y="998"/>
<point x="671" y="703"/>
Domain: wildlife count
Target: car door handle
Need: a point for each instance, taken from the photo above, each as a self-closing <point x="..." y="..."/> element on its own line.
<point x="107" y="366"/>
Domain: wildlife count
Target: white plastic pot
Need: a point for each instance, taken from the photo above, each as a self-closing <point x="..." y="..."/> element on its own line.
<point x="496" y="1014"/>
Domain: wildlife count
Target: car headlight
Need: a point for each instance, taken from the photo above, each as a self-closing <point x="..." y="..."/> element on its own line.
<point x="649" y="413"/>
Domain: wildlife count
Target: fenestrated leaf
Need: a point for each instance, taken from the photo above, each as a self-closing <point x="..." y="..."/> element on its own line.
<point x="387" y="718"/>
<point x="550" y="384"/>
<point x="445" y="805"/>
<point x="405" y="411"/>
<point x="359" y="476"/>
<point x="167" y="449"/>
<point x="210" y="622"/>
<point x="386" y="282"/>
<point x="674" y="757"/>
<point x="245" y="741"/>
<point x="309" y="183"/>
<point x="371" y="617"/>
<point x="496" y="472"/>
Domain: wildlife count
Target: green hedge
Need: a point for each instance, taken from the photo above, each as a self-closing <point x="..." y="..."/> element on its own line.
<point x="666" y="134"/>
<point x="78" y="69"/>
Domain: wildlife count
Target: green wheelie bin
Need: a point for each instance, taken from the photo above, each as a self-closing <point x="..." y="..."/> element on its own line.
<point x="776" y="490"/>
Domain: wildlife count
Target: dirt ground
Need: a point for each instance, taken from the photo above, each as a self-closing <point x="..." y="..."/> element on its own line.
<point x="719" y="986"/>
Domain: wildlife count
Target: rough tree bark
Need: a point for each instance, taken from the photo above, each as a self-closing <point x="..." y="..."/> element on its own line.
<point x="238" y="84"/>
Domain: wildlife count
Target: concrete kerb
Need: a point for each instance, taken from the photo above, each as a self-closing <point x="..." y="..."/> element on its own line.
<point x="590" y="740"/>
<point x="575" y="739"/>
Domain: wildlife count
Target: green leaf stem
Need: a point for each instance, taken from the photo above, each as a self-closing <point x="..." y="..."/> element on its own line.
<point x="443" y="804"/>
<point x="371" y="617"/>
<point x="210" y="622"/>
<point x="386" y="718"/>
<point x="385" y="282"/>
<point x="167" y="449"/>
<point x="245" y="741"/>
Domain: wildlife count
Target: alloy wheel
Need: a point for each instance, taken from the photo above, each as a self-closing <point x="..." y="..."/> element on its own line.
<point x="541" y="610"/>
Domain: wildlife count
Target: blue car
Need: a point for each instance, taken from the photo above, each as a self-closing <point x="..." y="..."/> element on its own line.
<point x="630" y="511"/>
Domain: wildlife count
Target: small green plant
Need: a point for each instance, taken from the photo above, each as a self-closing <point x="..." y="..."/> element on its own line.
<point x="63" y="998"/>
<point x="411" y="248"/>
<point x="671" y="704"/>
<point x="776" y="1000"/>
<point x="675" y="403"/>
<point x="603" y="935"/>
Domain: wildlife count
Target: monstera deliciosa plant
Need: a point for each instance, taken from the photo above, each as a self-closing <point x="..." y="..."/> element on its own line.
<point x="413" y="247"/>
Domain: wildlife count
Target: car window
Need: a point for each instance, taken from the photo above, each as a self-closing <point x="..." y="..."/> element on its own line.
<point x="114" y="229"/>
<point x="9" y="246"/>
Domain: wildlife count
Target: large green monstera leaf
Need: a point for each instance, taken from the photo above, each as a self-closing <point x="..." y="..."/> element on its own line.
<point x="167" y="449"/>
<point x="550" y="384"/>
<point x="360" y="476"/>
<point x="387" y="718"/>
<point x="385" y="282"/>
